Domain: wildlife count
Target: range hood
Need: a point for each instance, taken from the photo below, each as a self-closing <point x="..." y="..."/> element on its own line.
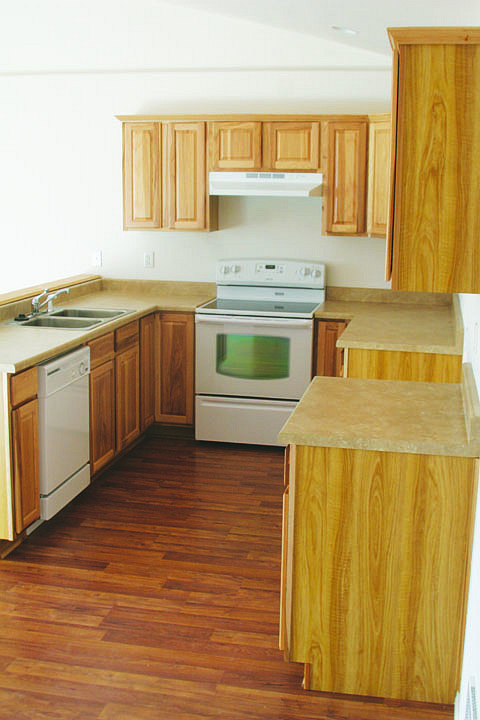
<point x="273" y="184"/>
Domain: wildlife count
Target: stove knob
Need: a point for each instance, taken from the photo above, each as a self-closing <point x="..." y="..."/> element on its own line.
<point x="305" y="271"/>
<point x="224" y="269"/>
<point x="235" y="268"/>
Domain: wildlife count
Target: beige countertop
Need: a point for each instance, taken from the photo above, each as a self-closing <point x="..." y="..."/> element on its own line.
<point x="386" y="415"/>
<point x="21" y="347"/>
<point x="404" y="326"/>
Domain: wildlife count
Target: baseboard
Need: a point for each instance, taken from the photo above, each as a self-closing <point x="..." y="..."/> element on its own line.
<point x="172" y="431"/>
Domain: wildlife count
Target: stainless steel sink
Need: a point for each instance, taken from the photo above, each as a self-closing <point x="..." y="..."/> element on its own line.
<point x="88" y="313"/>
<point x="72" y="318"/>
<point x="77" y="323"/>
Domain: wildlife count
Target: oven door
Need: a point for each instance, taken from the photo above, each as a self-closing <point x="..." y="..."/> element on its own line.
<point x="256" y="357"/>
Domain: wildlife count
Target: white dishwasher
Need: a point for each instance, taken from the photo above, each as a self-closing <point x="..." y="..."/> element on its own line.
<point x="63" y="409"/>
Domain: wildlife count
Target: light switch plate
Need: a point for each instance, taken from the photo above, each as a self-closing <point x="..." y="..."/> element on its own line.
<point x="148" y="259"/>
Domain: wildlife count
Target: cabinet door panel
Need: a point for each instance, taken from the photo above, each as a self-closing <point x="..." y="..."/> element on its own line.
<point x="26" y="465"/>
<point x="186" y="176"/>
<point x="127" y="379"/>
<point x="175" y="362"/>
<point x="142" y="186"/>
<point x="147" y="371"/>
<point x="235" y="145"/>
<point x="291" y="145"/>
<point x="329" y="358"/>
<point x="102" y="415"/>
<point x="345" y="206"/>
<point x="379" y="143"/>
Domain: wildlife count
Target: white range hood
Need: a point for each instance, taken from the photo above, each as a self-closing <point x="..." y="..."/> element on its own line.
<point x="272" y="184"/>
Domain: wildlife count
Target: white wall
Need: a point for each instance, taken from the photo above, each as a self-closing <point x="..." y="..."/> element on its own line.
<point x="471" y="659"/>
<point x="60" y="144"/>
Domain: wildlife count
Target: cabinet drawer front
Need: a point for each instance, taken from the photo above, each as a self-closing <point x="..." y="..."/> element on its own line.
<point x="23" y="387"/>
<point x="126" y="336"/>
<point x="101" y="350"/>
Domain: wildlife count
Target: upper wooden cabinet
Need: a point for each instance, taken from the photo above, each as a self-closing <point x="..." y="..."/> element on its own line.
<point x="142" y="179"/>
<point x="235" y="145"/>
<point x="291" y="146"/>
<point x="435" y="222"/>
<point x="345" y="151"/>
<point x="164" y="176"/>
<point x="379" y="144"/>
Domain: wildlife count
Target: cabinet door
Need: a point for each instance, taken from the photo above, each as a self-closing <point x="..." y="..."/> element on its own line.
<point x="185" y="174"/>
<point x="175" y="347"/>
<point x="436" y="223"/>
<point x="102" y="415"/>
<point x="291" y="145"/>
<point x="379" y="144"/>
<point x="147" y="371"/>
<point x="127" y="382"/>
<point x="235" y="145"/>
<point x="142" y="182"/>
<point x="26" y="464"/>
<point x="328" y="358"/>
<point x="346" y="173"/>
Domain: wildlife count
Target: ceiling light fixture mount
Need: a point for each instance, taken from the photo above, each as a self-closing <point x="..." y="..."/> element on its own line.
<point x="344" y="30"/>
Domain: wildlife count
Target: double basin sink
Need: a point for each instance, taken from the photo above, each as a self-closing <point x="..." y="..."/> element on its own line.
<point x="72" y="318"/>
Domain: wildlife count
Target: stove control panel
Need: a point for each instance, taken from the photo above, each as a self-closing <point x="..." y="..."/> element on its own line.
<point x="287" y="273"/>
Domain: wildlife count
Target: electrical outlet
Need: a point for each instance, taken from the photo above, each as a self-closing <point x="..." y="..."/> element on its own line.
<point x="148" y="259"/>
<point x="97" y="258"/>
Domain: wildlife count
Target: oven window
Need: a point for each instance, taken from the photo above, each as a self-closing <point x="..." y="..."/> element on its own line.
<point x="253" y="356"/>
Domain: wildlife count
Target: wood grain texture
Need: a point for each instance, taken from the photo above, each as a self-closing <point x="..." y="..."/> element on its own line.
<point x="175" y="365"/>
<point x="235" y="145"/>
<point x="102" y="349"/>
<point x="436" y="223"/>
<point x="379" y="147"/>
<point x="23" y="387"/>
<point x="346" y="178"/>
<point x="102" y="415"/>
<point x="186" y="176"/>
<point x="398" y="365"/>
<point x="154" y="595"/>
<point x="328" y="359"/>
<point x="26" y="469"/>
<point x="7" y="523"/>
<point x="127" y="336"/>
<point x="381" y="556"/>
<point x="147" y="371"/>
<point x="291" y="146"/>
<point x="142" y="176"/>
<point x="433" y="36"/>
<point x="393" y="168"/>
<point x="127" y="396"/>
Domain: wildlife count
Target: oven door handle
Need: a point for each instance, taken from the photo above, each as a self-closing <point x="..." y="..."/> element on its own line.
<point x="253" y="321"/>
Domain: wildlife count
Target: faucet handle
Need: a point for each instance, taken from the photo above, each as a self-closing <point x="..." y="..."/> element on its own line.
<point x="37" y="298"/>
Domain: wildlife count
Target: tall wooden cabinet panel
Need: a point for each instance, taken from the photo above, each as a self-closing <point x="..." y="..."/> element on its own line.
<point x="291" y="146"/>
<point x="26" y="471"/>
<point x="102" y="415"/>
<point x="379" y="145"/>
<point x="142" y="179"/>
<point x="235" y="145"/>
<point x="147" y="371"/>
<point x="436" y="173"/>
<point x="175" y="364"/>
<point x="346" y="177"/>
<point x="185" y="173"/>
<point x="127" y="380"/>
<point x="328" y="359"/>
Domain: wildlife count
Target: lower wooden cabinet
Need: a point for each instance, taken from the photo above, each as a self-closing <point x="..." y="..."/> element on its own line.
<point x="328" y="359"/>
<point x="102" y="415"/>
<point x="127" y="385"/>
<point x="26" y="470"/>
<point x="175" y="363"/>
<point x="400" y="365"/>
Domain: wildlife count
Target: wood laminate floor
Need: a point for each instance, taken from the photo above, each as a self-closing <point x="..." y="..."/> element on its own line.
<point x="155" y="595"/>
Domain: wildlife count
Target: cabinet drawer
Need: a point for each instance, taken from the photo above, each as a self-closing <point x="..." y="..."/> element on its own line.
<point x="101" y="350"/>
<point x="23" y="387"/>
<point x="126" y="336"/>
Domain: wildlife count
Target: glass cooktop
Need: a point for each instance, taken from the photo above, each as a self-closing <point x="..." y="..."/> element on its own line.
<point x="268" y="308"/>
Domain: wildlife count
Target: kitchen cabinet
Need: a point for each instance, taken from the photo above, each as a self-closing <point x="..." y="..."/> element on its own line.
<point x="400" y="365"/>
<point x="376" y="557"/>
<point x="327" y="358"/>
<point x="293" y="146"/>
<point x="102" y="401"/>
<point x="345" y="155"/>
<point x="164" y="177"/>
<point x="235" y="145"/>
<point x="435" y="180"/>
<point x="175" y="365"/>
<point x="147" y="371"/>
<point x="25" y="448"/>
<point x="379" y="146"/>
<point x="127" y="384"/>
<point x="142" y="175"/>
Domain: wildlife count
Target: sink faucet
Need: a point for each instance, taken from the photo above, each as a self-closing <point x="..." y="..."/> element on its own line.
<point x="37" y="305"/>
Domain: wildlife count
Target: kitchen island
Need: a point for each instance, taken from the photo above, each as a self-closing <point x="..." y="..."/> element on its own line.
<point x="379" y="508"/>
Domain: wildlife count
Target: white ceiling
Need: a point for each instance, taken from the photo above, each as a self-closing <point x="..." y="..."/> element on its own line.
<point x="368" y="17"/>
